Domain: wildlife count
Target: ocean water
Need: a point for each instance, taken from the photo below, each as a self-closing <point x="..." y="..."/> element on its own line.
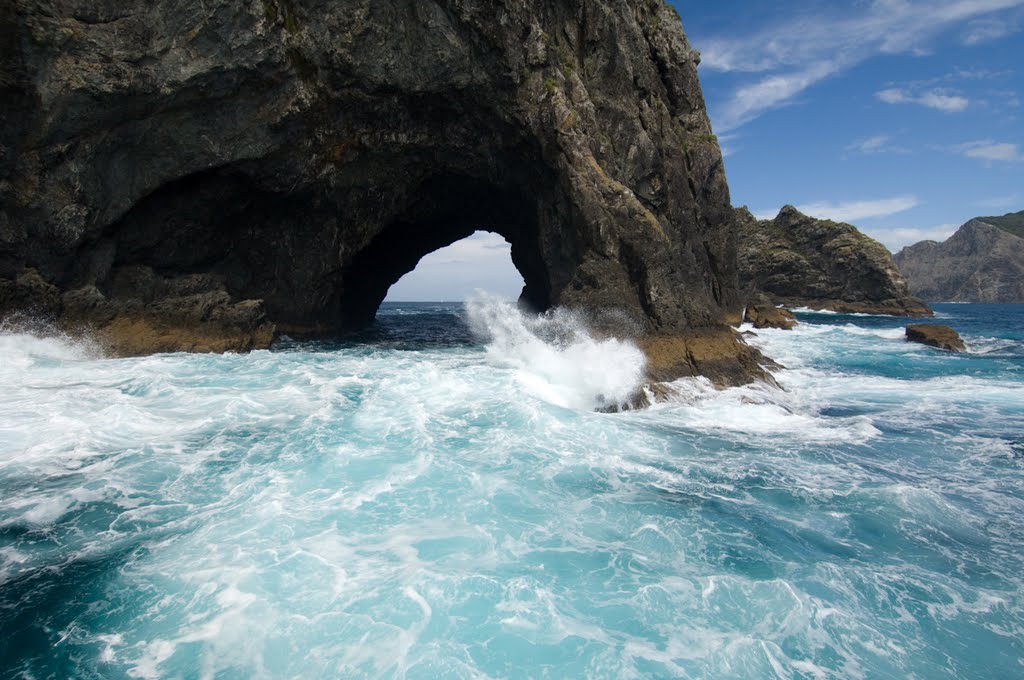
<point x="439" y="498"/>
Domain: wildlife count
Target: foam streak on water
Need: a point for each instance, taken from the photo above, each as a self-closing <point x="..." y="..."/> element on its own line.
<point x="442" y="503"/>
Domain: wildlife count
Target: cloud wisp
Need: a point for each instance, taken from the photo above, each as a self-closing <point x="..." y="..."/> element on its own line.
<point x="948" y="103"/>
<point x="897" y="238"/>
<point x="987" y="30"/>
<point x="990" y="151"/>
<point x="852" y="211"/>
<point x="877" y="144"/>
<point x="792" y="55"/>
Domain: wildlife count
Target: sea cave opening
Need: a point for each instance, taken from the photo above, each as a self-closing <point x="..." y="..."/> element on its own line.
<point x="479" y="263"/>
<point x="460" y="234"/>
<point x="430" y="306"/>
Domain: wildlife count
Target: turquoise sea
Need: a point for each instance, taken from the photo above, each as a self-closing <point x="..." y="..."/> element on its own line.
<point x="440" y="498"/>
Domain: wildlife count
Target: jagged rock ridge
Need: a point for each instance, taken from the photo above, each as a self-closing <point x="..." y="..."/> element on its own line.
<point x="982" y="263"/>
<point x="800" y="261"/>
<point x="197" y="179"/>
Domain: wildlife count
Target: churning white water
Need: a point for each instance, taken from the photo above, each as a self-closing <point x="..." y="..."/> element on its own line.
<point x="555" y="357"/>
<point x="439" y="498"/>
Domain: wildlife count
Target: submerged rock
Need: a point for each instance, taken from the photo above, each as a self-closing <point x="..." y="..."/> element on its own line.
<point x="982" y="263"/>
<point x="800" y="261"/>
<point x="294" y="159"/>
<point x="935" y="335"/>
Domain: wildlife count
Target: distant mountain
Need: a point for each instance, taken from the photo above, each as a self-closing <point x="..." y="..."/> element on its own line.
<point x="982" y="262"/>
<point x="800" y="261"/>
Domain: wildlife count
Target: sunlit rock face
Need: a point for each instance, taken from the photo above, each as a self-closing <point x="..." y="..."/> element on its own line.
<point x="800" y="261"/>
<point x="202" y="179"/>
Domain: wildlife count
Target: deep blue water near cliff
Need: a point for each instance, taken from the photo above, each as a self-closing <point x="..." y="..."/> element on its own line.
<point x="420" y="503"/>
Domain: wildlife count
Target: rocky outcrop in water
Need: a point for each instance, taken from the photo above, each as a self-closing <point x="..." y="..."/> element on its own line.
<point x="982" y="263"/>
<point x="800" y="261"/>
<point x="935" y="335"/>
<point x="197" y="177"/>
<point x="761" y="312"/>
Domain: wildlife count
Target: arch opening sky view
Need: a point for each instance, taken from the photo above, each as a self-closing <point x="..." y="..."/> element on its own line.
<point x="903" y="117"/>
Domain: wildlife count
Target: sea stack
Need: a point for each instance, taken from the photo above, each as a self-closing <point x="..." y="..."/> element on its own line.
<point x="204" y="178"/>
<point x="799" y="261"/>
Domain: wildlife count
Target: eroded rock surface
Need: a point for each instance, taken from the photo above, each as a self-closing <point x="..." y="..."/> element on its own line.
<point x="800" y="261"/>
<point x="297" y="157"/>
<point x="936" y="335"/>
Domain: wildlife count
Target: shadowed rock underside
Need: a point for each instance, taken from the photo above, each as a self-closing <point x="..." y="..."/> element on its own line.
<point x="201" y="178"/>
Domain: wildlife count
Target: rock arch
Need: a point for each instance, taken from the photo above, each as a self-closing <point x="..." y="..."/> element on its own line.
<point x="447" y="209"/>
<point x="200" y="181"/>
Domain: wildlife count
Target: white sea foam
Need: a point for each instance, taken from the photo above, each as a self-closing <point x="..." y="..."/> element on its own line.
<point x="555" y="356"/>
<point x="463" y="512"/>
<point x="829" y="312"/>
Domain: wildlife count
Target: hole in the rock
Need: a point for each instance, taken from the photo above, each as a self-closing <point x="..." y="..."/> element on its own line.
<point x="482" y="262"/>
<point x="447" y="212"/>
<point x="426" y="306"/>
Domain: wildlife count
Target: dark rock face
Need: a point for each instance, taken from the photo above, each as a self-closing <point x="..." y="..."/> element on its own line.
<point x="934" y="335"/>
<point x="226" y="169"/>
<point x="983" y="263"/>
<point x="800" y="261"/>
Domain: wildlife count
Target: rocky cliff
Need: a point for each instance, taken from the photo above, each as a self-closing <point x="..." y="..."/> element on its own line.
<point x="199" y="175"/>
<point x="800" y="261"/>
<point x="983" y="262"/>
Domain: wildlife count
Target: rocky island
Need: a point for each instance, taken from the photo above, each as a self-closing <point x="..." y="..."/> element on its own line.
<point x="982" y="263"/>
<point x="202" y="180"/>
<point x="799" y="261"/>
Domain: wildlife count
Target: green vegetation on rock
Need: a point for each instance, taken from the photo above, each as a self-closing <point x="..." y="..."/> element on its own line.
<point x="1012" y="223"/>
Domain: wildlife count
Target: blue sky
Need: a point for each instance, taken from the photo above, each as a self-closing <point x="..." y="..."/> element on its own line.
<point x="903" y="117"/>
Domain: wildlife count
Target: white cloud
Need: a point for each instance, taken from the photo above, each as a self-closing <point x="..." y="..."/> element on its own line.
<point x="988" y="150"/>
<point x="851" y="211"/>
<point x="728" y="144"/>
<point x="977" y="74"/>
<point x="933" y="100"/>
<point x="943" y="102"/>
<point x="870" y="145"/>
<point x="876" y="145"/>
<point x="773" y="92"/>
<point x="988" y="30"/>
<point x="897" y="238"/>
<point x="795" y="53"/>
